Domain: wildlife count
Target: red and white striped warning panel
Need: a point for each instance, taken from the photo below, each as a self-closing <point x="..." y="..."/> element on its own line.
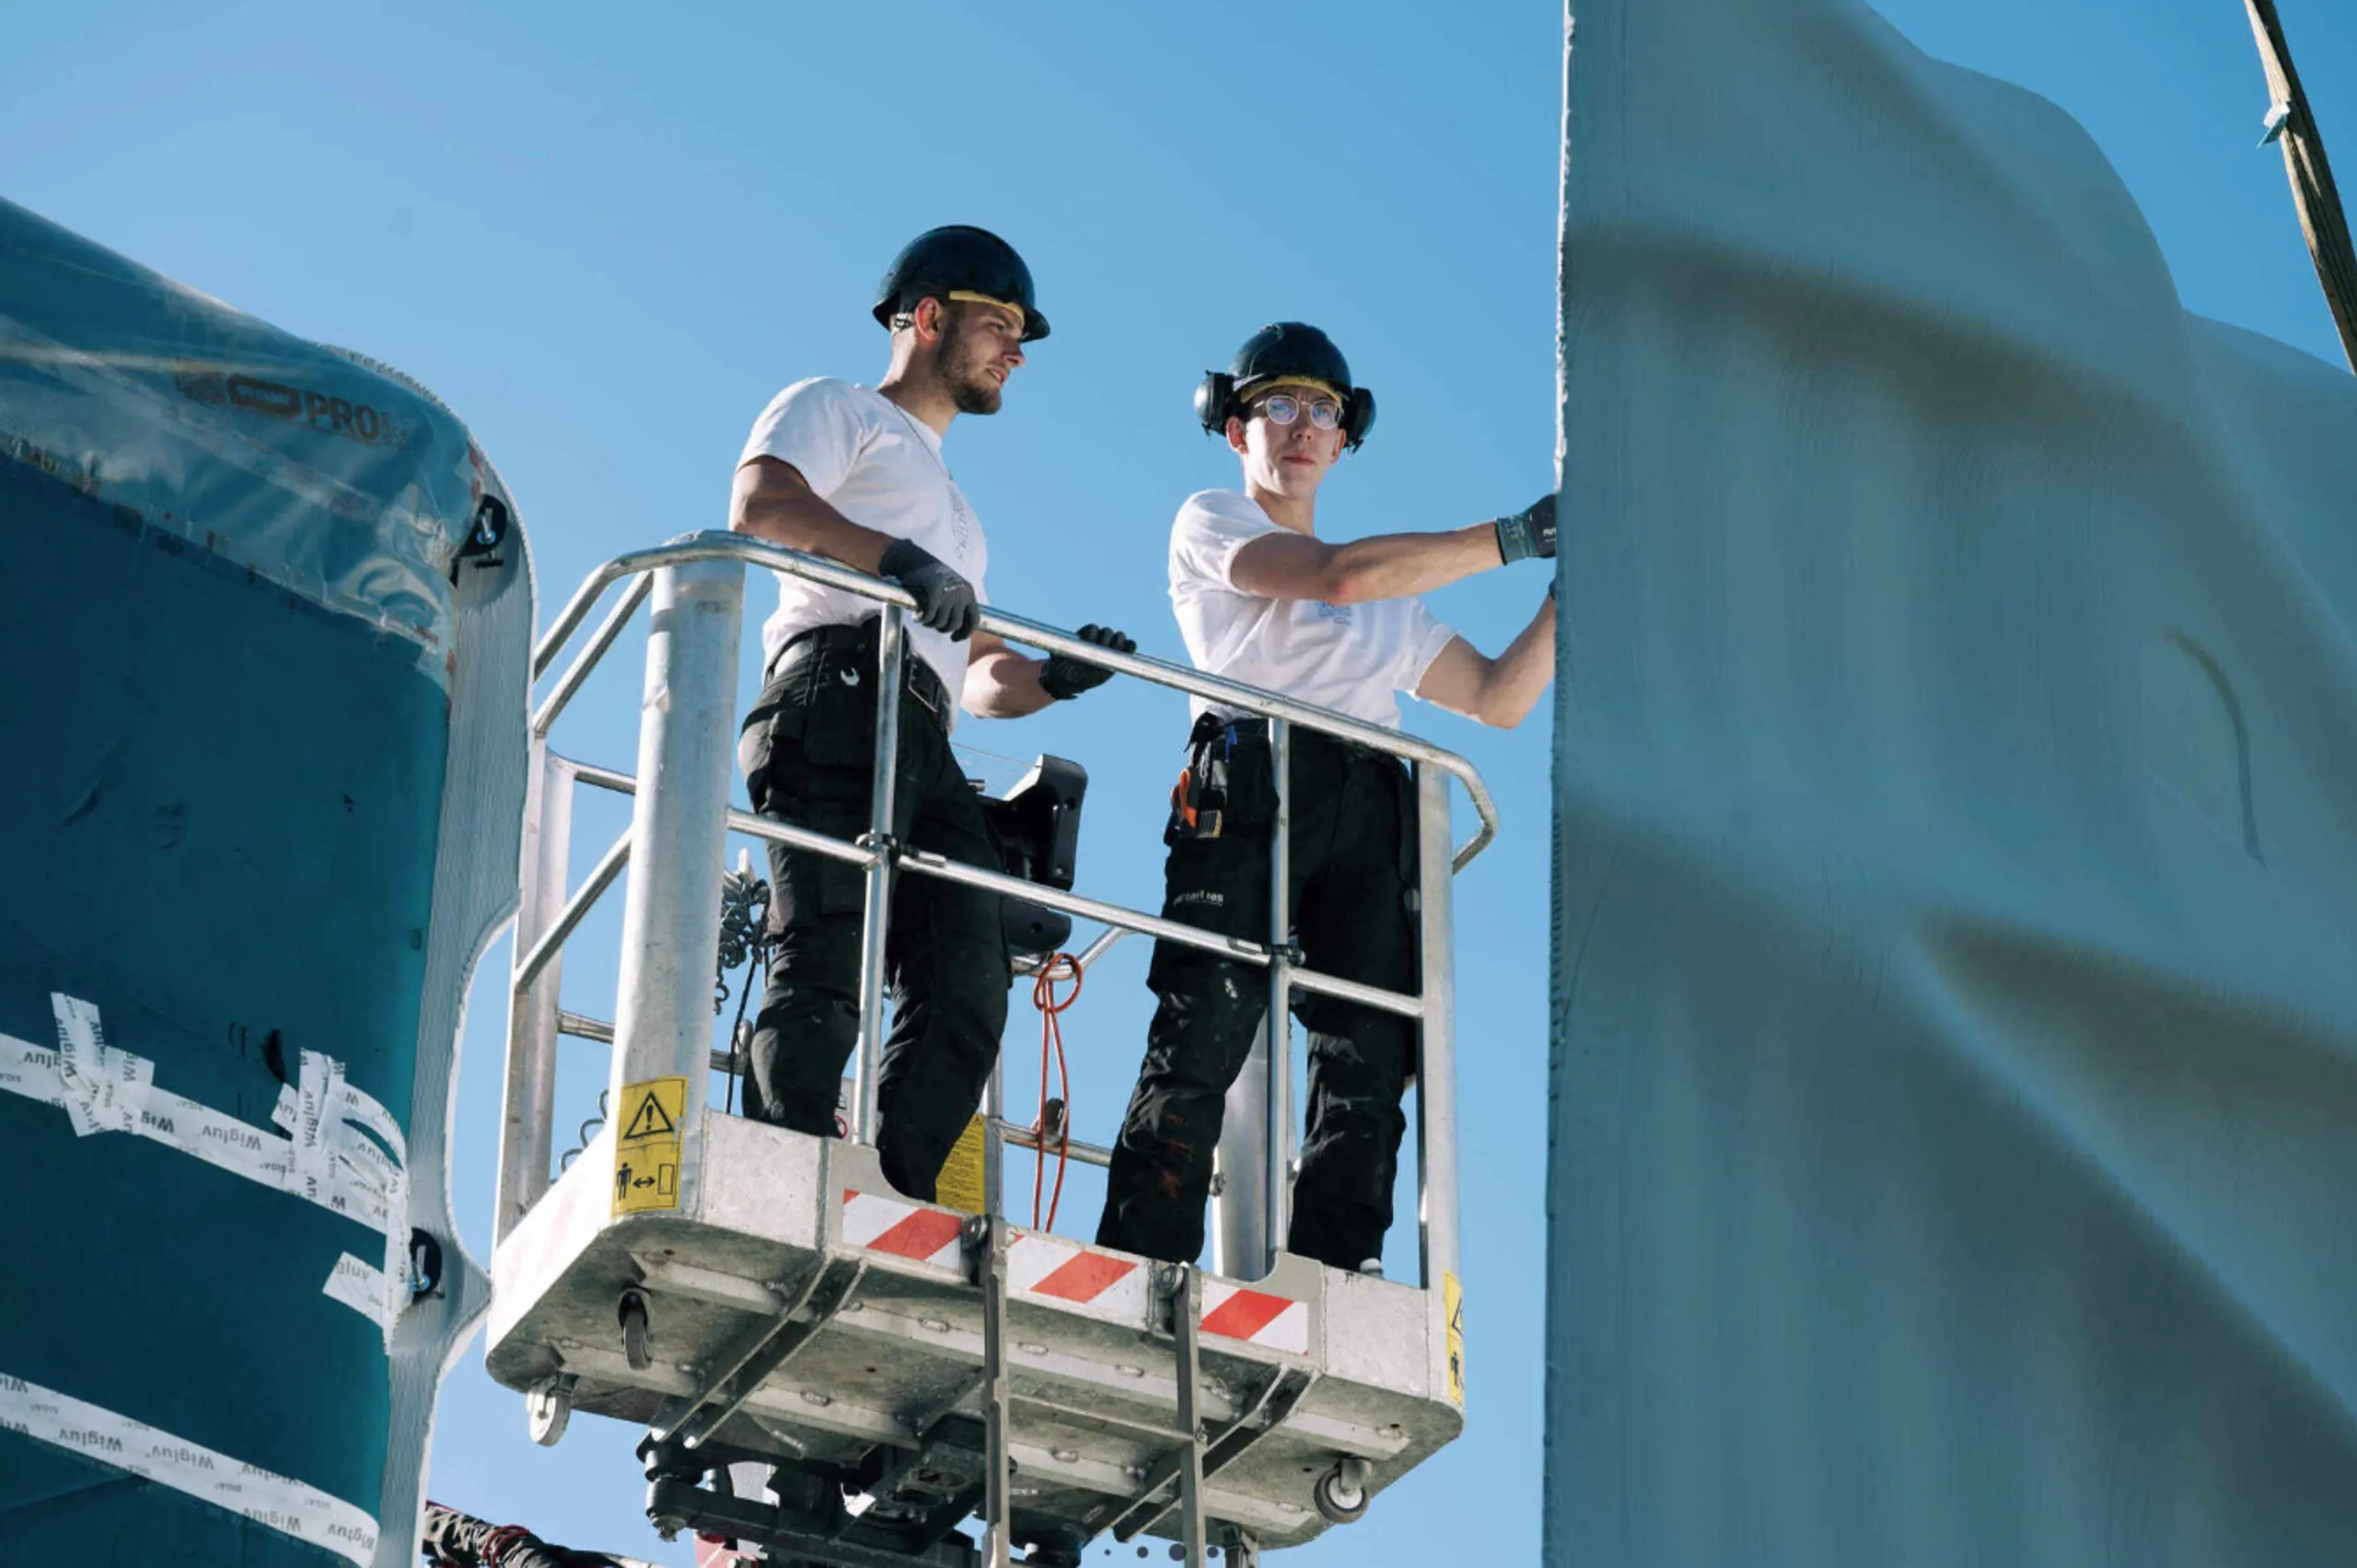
<point x="1050" y="1269"/>
<point x="1107" y="1286"/>
<point x="902" y="1229"/>
<point x="1239" y="1312"/>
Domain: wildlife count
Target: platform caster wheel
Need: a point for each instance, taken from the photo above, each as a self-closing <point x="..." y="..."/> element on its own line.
<point x="1341" y="1493"/>
<point x="548" y="1407"/>
<point x="631" y="1312"/>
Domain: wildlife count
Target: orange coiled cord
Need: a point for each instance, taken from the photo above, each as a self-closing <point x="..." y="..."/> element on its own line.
<point x="1051" y="1040"/>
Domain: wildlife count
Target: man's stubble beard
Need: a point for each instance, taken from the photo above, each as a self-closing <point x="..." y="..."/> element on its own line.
<point x="970" y="392"/>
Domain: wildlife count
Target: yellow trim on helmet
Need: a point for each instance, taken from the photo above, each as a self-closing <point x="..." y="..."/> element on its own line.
<point x="1281" y="381"/>
<point x="1022" y="318"/>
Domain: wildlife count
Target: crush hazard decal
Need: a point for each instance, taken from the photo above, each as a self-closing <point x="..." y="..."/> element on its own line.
<point x="646" y="1151"/>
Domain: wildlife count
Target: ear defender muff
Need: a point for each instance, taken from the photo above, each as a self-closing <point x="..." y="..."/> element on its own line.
<point x="1358" y="416"/>
<point x="1213" y="400"/>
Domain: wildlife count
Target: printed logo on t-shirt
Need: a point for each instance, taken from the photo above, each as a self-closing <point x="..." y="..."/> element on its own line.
<point x="961" y="522"/>
<point x="1339" y="614"/>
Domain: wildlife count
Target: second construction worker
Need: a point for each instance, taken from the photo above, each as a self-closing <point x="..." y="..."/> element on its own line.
<point x="1261" y="599"/>
<point x="857" y="475"/>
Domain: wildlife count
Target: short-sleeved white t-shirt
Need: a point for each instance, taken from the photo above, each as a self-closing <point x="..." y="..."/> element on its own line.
<point x="1350" y="657"/>
<point x="882" y="468"/>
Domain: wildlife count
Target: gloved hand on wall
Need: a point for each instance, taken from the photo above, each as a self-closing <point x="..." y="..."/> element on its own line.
<point x="1529" y="533"/>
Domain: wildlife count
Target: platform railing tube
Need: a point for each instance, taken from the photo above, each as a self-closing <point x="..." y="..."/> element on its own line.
<point x="1436" y="1055"/>
<point x="994" y="1140"/>
<point x="1277" y="1030"/>
<point x="687" y="754"/>
<point x="891" y="653"/>
<point x="1240" y="1213"/>
<point x="527" y="1103"/>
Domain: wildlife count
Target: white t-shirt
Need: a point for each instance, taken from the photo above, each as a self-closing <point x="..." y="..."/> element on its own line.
<point x="882" y="468"/>
<point x="1350" y="657"/>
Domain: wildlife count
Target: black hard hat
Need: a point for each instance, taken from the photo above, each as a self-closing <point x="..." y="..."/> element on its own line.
<point x="1284" y="351"/>
<point x="959" y="260"/>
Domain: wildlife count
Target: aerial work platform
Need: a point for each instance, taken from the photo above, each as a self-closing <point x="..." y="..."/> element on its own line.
<point x="840" y="1376"/>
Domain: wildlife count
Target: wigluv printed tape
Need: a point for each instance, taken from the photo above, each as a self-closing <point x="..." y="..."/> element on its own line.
<point x="325" y="1156"/>
<point x="278" y="1502"/>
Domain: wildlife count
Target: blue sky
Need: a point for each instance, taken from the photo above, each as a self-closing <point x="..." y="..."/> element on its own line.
<point x="606" y="238"/>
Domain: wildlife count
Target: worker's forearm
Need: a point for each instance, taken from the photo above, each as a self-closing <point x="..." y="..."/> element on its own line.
<point x="1400" y="565"/>
<point x="1520" y="675"/>
<point x="1003" y="685"/>
<point x="809" y="525"/>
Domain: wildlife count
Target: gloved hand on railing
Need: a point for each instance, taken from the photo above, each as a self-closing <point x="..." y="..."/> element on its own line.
<point x="944" y="601"/>
<point x="1064" y="676"/>
<point x="1528" y="533"/>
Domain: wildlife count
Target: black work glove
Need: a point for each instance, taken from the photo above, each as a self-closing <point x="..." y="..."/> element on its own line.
<point x="1529" y="532"/>
<point x="1064" y="676"/>
<point x="945" y="601"/>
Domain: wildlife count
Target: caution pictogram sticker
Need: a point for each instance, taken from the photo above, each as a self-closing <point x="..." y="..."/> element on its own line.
<point x="1453" y="1302"/>
<point x="647" y="1152"/>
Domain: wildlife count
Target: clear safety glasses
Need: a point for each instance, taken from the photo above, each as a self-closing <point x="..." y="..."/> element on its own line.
<point x="1284" y="408"/>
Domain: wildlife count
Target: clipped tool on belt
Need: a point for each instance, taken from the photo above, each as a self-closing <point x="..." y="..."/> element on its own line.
<point x="1199" y="800"/>
<point x="1193" y="813"/>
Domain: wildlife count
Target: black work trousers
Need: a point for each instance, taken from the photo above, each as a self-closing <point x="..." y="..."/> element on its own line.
<point x="808" y="752"/>
<point x="1352" y="897"/>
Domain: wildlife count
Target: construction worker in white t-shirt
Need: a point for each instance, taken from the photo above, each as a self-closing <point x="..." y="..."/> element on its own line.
<point x="1262" y="598"/>
<point x="857" y="475"/>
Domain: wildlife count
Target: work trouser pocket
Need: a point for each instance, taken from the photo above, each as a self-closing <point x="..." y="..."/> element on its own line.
<point x="839" y="713"/>
<point x="802" y="767"/>
<point x="805" y="888"/>
<point x="1217" y="884"/>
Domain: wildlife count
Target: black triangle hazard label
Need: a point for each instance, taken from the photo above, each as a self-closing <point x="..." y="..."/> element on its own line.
<point x="648" y="1122"/>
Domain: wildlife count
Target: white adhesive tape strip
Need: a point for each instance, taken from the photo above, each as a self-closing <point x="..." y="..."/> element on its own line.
<point x="326" y="1158"/>
<point x="320" y="1112"/>
<point x="284" y="1505"/>
<point x="105" y="1089"/>
<point x="364" y="1289"/>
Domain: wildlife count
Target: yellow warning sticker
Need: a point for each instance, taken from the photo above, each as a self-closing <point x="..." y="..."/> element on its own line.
<point x="1453" y="1301"/>
<point x="646" y="1151"/>
<point x="960" y="1186"/>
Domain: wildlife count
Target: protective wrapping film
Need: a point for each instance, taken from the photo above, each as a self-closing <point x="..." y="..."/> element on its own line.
<point x="1955" y="1015"/>
<point x="264" y="732"/>
<point x="304" y="465"/>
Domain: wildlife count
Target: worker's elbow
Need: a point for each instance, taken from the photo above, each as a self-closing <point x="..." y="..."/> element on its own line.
<point x="1502" y="709"/>
<point x="1343" y="583"/>
<point x="766" y="525"/>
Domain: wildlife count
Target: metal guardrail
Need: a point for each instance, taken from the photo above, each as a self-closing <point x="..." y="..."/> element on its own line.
<point x="675" y="849"/>
<point x="713" y="546"/>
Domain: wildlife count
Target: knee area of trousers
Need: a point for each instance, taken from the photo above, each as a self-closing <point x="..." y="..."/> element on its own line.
<point x="802" y="1012"/>
<point x="971" y="1013"/>
<point x="1360" y="1116"/>
<point x="1216" y="1002"/>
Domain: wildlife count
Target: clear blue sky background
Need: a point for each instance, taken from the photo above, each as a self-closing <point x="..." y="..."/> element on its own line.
<point x="607" y="236"/>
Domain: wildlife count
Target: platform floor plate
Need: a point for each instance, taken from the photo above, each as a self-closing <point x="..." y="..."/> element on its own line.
<point x="1093" y="1377"/>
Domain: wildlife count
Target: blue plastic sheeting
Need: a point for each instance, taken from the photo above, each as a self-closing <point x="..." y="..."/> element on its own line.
<point x="257" y="804"/>
<point x="1955" y="1025"/>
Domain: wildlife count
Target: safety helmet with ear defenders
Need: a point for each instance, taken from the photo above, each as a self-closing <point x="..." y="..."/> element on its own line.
<point x="1284" y="351"/>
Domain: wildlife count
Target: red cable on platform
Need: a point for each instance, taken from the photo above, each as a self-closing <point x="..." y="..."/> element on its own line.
<point x="1052" y="1038"/>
